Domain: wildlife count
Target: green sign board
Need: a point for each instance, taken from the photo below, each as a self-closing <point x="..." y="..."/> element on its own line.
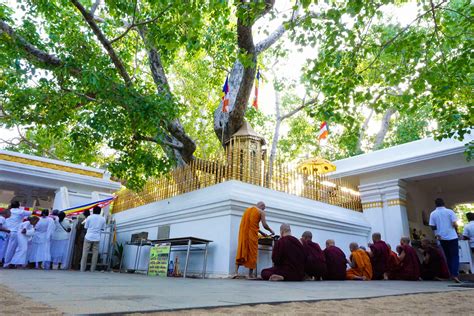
<point x="159" y="258"/>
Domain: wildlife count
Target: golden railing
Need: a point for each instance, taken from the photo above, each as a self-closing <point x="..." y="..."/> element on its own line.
<point x="253" y="169"/>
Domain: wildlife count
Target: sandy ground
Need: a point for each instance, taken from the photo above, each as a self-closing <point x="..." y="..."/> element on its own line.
<point x="12" y="303"/>
<point x="456" y="303"/>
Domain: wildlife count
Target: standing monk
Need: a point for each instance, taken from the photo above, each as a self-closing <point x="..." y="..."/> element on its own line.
<point x="247" y="249"/>
<point x="379" y="256"/>
<point x="409" y="267"/>
<point x="336" y="262"/>
<point x="288" y="257"/>
<point x="315" y="261"/>
<point x="361" y="268"/>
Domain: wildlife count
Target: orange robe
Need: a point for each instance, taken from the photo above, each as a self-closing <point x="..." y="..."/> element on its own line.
<point x="363" y="267"/>
<point x="247" y="249"/>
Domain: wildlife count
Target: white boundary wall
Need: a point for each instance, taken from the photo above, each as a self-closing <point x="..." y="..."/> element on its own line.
<point x="214" y="213"/>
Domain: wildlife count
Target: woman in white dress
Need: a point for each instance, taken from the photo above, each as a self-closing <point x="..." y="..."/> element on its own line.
<point x="40" y="250"/>
<point x="60" y="241"/>
<point x="24" y="234"/>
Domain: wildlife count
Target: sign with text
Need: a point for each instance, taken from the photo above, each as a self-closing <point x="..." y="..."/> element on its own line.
<point x="159" y="258"/>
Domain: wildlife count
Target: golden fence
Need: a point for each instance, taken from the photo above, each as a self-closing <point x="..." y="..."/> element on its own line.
<point x="249" y="166"/>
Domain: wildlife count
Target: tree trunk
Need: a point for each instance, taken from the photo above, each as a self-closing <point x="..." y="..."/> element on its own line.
<point x="384" y="128"/>
<point x="362" y="132"/>
<point x="276" y="134"/>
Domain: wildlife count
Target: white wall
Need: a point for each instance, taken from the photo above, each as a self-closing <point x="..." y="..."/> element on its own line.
<point x="214" y="213"/>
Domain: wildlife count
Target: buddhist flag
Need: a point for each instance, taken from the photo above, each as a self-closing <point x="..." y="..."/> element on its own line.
<point x="225" y="96"/>
<point x="323" y="131"/>
<point x="255" y="99"/>
<point x="79" y="209"/>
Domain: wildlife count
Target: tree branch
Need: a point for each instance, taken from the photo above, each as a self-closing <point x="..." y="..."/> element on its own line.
<point x="103" y="40"/>
<point x="94" y="7"/>
<point x="34" y="54"/>
<point x="302" y="106"/>
<point x="390" y="41"/>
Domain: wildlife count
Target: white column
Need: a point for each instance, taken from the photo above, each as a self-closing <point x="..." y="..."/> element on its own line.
<point x="61" y="199"/>
<point x="384" y="205"/>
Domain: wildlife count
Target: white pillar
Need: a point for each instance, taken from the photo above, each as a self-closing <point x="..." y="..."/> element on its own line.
<point x="61" y="199"/>
<point x="384" y="205"/>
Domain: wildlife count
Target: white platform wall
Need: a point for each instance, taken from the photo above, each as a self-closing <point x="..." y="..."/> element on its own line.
<point x="214" y="213"/>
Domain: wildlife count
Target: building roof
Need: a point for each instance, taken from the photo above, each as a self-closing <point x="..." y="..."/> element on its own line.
<point x="399" y="155"/>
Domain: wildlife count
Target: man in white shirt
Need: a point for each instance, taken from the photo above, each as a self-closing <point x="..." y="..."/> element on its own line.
<point x="13" y="223"/>
<point x="468" y="232"/>
<point x="94" y="225"/>
<point x="443" y="222"/>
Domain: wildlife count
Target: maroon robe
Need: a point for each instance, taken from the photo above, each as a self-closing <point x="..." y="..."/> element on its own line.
<point x="409" y="268"/>
<point x="436" y="266"/>
<point x="379" y="259"/>
<point x="315" y="260"/>
<point x="336" y="263"/>
<point x="288" y="258"/>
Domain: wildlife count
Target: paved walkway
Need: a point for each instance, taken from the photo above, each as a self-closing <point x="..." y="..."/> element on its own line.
<point x="87" y="293"/>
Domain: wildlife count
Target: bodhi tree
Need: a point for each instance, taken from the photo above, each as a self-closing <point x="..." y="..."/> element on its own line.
<point x="84" y="77"/>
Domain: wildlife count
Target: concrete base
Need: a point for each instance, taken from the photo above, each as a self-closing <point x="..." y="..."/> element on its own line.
<point x="214" y="213"/>
<point x="90" y="293"/>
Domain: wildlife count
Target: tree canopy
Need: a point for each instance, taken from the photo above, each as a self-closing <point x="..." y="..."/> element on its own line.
<point x="135" y="85"/>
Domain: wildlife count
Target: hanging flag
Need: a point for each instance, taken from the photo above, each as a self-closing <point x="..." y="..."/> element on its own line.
<point x="323" y="131"/>
<point x="79" y="209"/>
<point x="225" y="96"/>
<point x="255" y="99"/>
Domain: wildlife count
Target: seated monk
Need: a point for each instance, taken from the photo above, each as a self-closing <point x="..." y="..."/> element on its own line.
<point x="315" y="261"/>
<point x="288" y="258"/>
<point x="434" y="266"/>
<point x="336" y="262"/>
<point x="361" y="268"/>
<point x="409" y="267"/>
<point x="379" y="255"/>
<point x="392" y="262"/>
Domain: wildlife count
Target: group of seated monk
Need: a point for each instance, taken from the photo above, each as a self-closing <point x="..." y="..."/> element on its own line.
<point x="297" y="260"/>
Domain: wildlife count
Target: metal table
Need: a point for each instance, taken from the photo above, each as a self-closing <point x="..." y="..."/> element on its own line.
<point x="187" y="242"/>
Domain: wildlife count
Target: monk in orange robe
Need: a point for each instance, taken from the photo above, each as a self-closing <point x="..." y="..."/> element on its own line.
<point x="247" y="248"/>
<point x="361" y="268"/>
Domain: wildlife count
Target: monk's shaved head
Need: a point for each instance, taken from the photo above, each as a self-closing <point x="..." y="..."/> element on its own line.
<point x="330" y="242"/>
<point x="261" y="205"/>
<point x="307" y="235"/>
<point x="353" y="246"/>
<point x="285" y="230"/>
<point x="405" y="241"/>
<point x="376" y="237"/>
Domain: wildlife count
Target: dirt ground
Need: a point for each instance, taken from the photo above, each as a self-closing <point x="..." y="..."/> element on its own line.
<point x="12" y="303"/>
<point x="456" y="303"/>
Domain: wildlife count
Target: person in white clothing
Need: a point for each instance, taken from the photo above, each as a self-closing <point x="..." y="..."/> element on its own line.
<point x="443" y="221"/>
<point x="4" y="232"/>
<point x="40" y="250"/>
<point x="13" y="223"/>
<point x="94" y="225"/>
<point x="24" y="233"/>
<point x="60" y="241"/>
<point x="468" y="233"/>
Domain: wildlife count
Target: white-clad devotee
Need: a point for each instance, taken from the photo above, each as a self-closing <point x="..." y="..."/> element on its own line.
<point x="4" y="232"/>
<point x="40" y="250"/>
<point x="94" y="225"/>
<point x="60" y="241"/>
<point x="13" y="223"/>
<point x="23" y="235"/>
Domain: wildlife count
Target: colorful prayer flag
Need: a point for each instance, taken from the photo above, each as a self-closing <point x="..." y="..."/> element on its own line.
<point x="79" y="209"/>
<point x="255" y="99"/>
<point x="323" y="131"/>
<point x="225" y="96"/>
